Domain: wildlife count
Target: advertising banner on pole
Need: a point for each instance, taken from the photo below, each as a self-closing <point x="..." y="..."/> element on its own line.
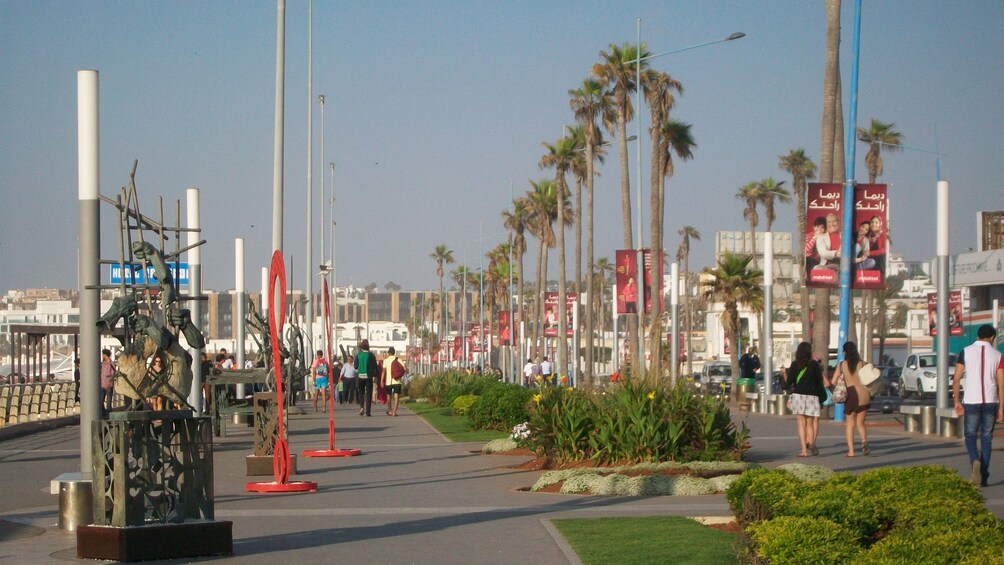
<point x="505" y="328"/>
<point x="551" y="314"/>
<point x="626" y="278"/>
<point x="822" y="234"/>
<point x="871" y="228"/>
<point x="954" y="313"/>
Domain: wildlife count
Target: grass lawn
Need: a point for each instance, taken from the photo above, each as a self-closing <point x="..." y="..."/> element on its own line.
<point x="643" y="541"/>
<point x="453" y="427"/>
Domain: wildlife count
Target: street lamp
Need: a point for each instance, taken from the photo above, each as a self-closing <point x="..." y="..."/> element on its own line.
<point x="640" y="246"/>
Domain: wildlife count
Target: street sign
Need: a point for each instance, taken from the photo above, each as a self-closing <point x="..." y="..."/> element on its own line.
<point x="134" y="273"/>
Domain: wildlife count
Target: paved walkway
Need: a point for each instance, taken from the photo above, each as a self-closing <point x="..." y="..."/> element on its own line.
<point x="413" y="496"/>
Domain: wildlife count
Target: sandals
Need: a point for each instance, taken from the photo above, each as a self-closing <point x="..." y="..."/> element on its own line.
<point x="813" y="449"/>
<point x="865" y="450"/>
<point x="802" y="455"/>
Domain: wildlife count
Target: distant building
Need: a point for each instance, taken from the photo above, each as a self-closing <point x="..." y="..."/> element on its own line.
<point x="786" y="273"/>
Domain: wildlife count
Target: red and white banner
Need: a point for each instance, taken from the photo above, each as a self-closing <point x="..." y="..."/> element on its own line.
<point x="551" y="314"/>
<point x="628" y="292"/>
<point x="954" y="313"/>
<point x="822" y="234"/>
<point x="824" y="229"/>
<point x="871" y="228"/>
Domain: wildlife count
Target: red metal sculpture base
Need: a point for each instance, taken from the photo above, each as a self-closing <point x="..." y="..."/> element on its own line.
<point x="274" y="487"/>
<point x="332" y="452"/>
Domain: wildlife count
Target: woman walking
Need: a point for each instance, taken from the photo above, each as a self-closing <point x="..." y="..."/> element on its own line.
<point x="366" y="366"/>
<point x="805" y="381"/>
<point x="858" y="398"/>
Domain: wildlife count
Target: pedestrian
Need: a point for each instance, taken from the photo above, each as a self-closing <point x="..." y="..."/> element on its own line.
<point x="76" y="379"/>
<point x="393" y="372"/>
<point x="320" y="369"/>
<point x="981" y="406"/>
<point x="805" y="383"/>
<point x="528" y="373"/>
<point x="858" y="398"/>
<point x="749" y="364"/>
<point x="368" y="369"/>
<point x="348" y="379"/>
<point x="108" y="370"/>
<point x="547" y="371"/>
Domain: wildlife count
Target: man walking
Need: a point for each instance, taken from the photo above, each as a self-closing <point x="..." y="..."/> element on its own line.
<point x="981" y="406"/>
<point x="546" y="371"/>
<point x="107" y="382"/>
<point x="393" y="372"/>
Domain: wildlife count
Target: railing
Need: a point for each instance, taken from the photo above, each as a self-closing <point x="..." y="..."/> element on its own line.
<point x="22" y="403"/>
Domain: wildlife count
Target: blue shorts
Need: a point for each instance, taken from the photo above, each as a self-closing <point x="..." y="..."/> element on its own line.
<point x="321" y="382"/>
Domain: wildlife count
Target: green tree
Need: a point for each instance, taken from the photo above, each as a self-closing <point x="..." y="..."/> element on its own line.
<point x="560" y="157"/>
<point x="683" y="254"/>
<point x="735" y="283"/>
<point x="749" y="193"/>
<point x="802" y="169"/>
<point x="877" y="135"/>
<point x="442" y="255"/>
<point x="590" y="102"/>
<point x="542" y="201"/>
<point x="516" y="220"/>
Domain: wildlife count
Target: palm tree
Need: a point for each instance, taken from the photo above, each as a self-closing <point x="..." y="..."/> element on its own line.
<point x="683" y="254"/>
<point x="893" y="285"/>
<point x="543" y="203"/>
<point x="616" y="72"/>
<point x="877" y="135"/>
<point x="802" y="170"/>
<point x="516" y="220"/>
<point x="590" y="102"/>
<point x="735" y="284"/>
<point x="772" y="191"/>
<point x="750" y="194"/>
<point x="560" y="157"/>
<point x="674" y="138"/>
<point x="442" y="256"/>
<point x="603" y="270"/>
<point x="831" y="158"/>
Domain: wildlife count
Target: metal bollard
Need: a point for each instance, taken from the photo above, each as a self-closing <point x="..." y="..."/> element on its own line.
<point x="927" y="420"/>
<point x="910" y="422"/>
<point x="948" y="427"/>
<point x="75" y="505"/>
<point x="781" y="405"/>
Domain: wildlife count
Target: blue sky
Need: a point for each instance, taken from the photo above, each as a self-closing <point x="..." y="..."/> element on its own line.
<point x="435" y="109"/>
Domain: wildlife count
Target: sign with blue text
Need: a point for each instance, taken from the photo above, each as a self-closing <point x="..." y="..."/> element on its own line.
<point x="134" y="273"/>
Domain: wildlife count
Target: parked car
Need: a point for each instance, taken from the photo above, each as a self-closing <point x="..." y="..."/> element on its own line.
<point x="777" y="381"/>
<point x="715" y="374"/>
<point x="890" y="379"/>
<point x="920" y="375"/>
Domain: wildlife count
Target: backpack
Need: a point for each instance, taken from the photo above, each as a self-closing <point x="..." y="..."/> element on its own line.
<point x="322" y="369"/>
<point x="397" y="370"/>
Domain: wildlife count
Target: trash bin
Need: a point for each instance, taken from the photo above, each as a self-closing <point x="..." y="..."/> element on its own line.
<point x="75" y="506"/>
<point x="927" y="420"/>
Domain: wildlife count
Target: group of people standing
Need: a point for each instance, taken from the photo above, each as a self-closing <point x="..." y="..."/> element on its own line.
<point x="363" y="378"/>
<point x="544" y="370"/>
<point x="979" y="405"/>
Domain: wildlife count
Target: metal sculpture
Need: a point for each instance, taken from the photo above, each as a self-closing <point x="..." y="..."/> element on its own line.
<point x="330" y="451"/>
<point x="280" y="456"/>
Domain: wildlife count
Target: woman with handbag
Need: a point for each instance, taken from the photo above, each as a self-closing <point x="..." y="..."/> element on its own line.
<point x="858" y="398"/>
<point x="804" y="381"/>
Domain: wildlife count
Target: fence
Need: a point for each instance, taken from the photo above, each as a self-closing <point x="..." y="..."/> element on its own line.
<point x="21" y="403"/>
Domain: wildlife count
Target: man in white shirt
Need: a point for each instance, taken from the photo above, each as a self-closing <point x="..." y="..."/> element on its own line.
<point x="546" y="370"/>
<point x="981" y="406"/>
<point x="528" y="373"/>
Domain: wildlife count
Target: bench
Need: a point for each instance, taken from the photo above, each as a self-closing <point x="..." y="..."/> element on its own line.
<point x="222" y="403"/>
<point x="911" y="417"/>
<point x="950" y="423"/>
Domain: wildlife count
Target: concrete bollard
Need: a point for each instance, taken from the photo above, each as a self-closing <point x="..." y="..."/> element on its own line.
<point x="927" y="420"/>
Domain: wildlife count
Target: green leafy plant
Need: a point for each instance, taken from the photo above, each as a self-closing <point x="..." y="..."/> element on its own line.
<point x="462" y="404"/>
<point x="501" y="406"/>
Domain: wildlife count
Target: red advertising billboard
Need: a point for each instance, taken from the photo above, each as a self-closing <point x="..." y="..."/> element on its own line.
<point x="824" y="229"/>
<point x="871" y="228"/>
<point x="954" y="313"/>
<point x="505" y="328"/>
<point x="551" y="314"/>
<point x="628" y="292"/>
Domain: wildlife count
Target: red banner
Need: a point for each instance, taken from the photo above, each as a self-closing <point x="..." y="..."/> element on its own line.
<point x="871" y="227"/>
<point x="627" y="281"/>
<point x="822" y="234"/>
<point x="551" y="314"/>
<point x="954" y="313"/>
<point x="505" y="328"/>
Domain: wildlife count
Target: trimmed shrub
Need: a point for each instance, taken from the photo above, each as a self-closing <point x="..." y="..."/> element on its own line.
<point x="499" y="445"/>
<point x="800" y="540"/>
<point x="462" y="404"/>
<point x="501" y="406"/>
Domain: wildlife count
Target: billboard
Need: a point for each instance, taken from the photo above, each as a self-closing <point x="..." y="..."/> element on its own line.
<point x="551" y="314"/>
<point x="505" y="328"/>
<point x="134" y="273"/>
<point x="954" y="313"/>
<point x="626" y="271"/>
<point x="824" y="229"/>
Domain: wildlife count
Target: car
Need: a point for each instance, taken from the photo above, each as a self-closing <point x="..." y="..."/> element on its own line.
<point x="920" y="375"/>
<point x="777" y="380"/>
<point x="890" y="379"/>
<point x="716" y="374"/>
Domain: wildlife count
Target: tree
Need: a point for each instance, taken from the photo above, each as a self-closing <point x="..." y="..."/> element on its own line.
<point x="442" y="255"/>
<point x="771" y="191"/>
<point x="392" y="286"/>
<point x="749" y="193"/>
<point x="735" y="284"/>
<point x="589" y="103"/>
<point x="683" y="254"/>
<point x="603" y="269"/>
<point x="893" y="285"/>
<point x="543" y="203"/>
<point x="802" y="170"/>
<point x="616" y="72"/>
<point x="516" y="220"/>
<point x="559" y="157"/>
<point x="831" y="159"/>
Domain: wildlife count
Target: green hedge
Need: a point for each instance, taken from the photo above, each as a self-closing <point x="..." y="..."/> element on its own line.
<point x="462" y="404"/>
<point x="923" y="514"/>
<point x="499" y="407"/>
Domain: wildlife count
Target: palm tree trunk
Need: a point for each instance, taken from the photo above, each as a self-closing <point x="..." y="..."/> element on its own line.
<point x="799" y="190"/>
<point x="561" y="366"/>
<point x="578" y="271"/>
<point x="522" y="313"/>
<point x="655" y="270"/>
<point x="631" y="319"/>
<point x="590" y="292"/>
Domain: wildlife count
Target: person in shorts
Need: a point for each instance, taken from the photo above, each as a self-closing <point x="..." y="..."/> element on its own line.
<point x="858" y="398"/>
<point x="320" y="369"/>
<point x="805" y="382"/>
<point x="392" y="373"/>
